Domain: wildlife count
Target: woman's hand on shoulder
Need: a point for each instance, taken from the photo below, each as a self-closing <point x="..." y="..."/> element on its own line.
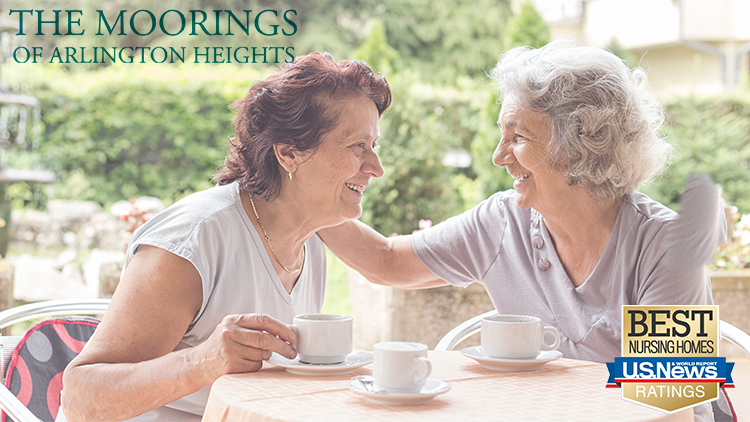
<point x="240" y="343"/>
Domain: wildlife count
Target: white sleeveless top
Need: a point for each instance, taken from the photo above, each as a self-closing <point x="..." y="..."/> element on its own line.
<point x="211" y="230"/>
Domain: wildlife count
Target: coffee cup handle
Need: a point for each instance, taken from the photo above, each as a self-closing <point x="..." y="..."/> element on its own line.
<point x="422" y="375"/>
<point x="554" y="331"/>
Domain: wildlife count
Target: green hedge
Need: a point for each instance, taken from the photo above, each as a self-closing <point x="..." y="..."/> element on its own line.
<point x="126" y="131"/>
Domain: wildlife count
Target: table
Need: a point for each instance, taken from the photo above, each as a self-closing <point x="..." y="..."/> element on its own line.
<point x="563" y="390"/>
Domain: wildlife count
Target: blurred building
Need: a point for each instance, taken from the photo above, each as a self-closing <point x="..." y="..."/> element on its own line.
<point x="698" y="46"/>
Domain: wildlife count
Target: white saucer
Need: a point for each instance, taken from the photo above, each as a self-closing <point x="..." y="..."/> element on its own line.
<point x="353" y="361"/>
<point x="431" y="389"/>
<point x="510" y="365"/>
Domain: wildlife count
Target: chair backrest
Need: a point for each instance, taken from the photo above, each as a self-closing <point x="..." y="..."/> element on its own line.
<point x="462" y="331"/>
<point x="48" y="345"/>
<point x="35" y="372"/>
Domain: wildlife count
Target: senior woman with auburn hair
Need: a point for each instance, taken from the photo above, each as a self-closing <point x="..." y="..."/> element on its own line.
<point x="573" y="241"/>
<point x="210" y="283"/>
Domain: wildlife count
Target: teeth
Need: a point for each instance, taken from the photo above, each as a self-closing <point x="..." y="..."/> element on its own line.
<point x="523" y="177"/>
<point x="356" y="188"/>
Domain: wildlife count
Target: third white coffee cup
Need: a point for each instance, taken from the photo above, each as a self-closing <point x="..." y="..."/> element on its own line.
<point x="400" y="367"/>
<point x="516" y="337"/>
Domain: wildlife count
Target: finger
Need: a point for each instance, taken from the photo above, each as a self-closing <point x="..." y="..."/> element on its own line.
<point x="246" y="351"/>
<point x="266" y="323"/>
<point x="244" y="365"/>
<point x="249" y="353"/>
<point x="242" y="358"/>
<point x="268" y="342"/>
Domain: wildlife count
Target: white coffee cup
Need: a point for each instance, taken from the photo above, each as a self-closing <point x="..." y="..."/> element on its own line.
<point x="515" y="337"/>
<point x="400" y="367"/>
<point x="322" y="338"/>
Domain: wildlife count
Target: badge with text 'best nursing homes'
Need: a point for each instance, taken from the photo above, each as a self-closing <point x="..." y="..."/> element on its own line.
<point x="670" y="357"/>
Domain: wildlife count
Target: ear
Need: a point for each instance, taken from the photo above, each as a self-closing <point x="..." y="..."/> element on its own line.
<point x="287" y="156"/>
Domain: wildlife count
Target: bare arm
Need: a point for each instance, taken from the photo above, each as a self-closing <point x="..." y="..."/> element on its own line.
<point x="129" y="368"/>
<point x="390" y="261"/>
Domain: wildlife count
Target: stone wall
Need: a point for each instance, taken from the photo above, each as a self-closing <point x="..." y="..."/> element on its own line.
<point x="383" y="313"/>
<point x="69" y="224"/>
<point x="731" y="291"/>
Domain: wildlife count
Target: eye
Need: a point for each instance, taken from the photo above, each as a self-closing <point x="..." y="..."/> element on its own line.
<point x="365" y="146"/>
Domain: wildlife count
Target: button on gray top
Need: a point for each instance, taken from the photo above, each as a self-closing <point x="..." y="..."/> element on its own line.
<point x="537" y="241"/>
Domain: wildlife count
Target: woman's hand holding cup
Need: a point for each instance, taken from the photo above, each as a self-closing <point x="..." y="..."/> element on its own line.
<point x="240" y="343"/>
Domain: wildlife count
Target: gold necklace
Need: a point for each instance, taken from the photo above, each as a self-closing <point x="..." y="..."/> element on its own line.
<point x="268" y="240"/>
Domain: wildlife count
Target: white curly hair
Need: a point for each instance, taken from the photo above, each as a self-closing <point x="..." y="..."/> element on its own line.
<point x="604" y="120"/>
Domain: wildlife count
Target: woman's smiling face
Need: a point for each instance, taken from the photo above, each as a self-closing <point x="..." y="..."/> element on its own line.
<point x="334" y="178"/>
<point x="523" y="151"/>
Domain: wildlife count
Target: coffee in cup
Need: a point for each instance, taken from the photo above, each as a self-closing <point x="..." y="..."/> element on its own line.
<point x="516" y="337"/>
<point x="400" y="367"/>
<point x="322" y="338"/>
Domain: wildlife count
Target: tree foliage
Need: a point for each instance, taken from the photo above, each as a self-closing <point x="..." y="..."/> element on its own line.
<point x="527" y="28"/>
<point x="421" y="125"/>
<point x="376" y="51"/>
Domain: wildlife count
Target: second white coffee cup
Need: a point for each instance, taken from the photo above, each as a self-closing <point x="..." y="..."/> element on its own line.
<point x="516" y="337"/>
<point x="400" y="367"/>
<point x="323" y="338"/>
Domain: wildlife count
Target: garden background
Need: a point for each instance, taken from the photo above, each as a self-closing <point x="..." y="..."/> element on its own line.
<point x="113" y="132"/>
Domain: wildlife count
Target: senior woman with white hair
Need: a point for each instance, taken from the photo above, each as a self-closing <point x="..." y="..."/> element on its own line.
<point x="573" y="241"/>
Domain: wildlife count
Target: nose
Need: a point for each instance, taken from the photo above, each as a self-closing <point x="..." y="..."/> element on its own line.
<point x="503" y="154"/>
<point x="372" y="166"/>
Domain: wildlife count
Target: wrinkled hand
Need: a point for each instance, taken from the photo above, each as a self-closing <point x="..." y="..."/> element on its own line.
<point x="240" y="343"/>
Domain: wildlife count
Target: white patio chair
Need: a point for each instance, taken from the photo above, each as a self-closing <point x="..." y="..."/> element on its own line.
<point x="9" y="403"/>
